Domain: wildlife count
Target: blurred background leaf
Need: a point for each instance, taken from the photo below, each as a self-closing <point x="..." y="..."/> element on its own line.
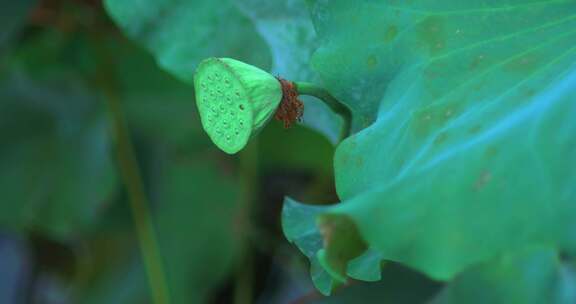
<point x="57" y="173"/>
<point x="13" y="17"/>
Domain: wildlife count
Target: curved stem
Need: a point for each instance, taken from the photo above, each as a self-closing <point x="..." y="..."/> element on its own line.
<point x="307" y="88"/>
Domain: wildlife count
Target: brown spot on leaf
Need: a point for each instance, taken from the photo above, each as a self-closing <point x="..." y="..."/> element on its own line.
<point x="430" y="33"/>
<point x="475" y="129"/>
<point x="482" y="180"/>
<point x="390" y="34"/>
<point x="476" y="62"/>
<point x="490" y="152"/>
<point x="372" y="61"/>
<point x="440" y="138"/>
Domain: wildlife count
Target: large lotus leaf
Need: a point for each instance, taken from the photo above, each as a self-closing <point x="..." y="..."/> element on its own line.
<point x="290" y="35"/>
<point x="469" y="132"/>
<point x="181" y="33"/>
<point x="534" y="275"/>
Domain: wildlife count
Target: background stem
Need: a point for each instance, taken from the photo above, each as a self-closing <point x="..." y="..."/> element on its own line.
<point x="248" y="171"/>
<point x="307" y="88"/>
<point x="132" y="179"/>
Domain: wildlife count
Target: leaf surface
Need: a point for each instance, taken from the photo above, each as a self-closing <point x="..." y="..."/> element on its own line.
<point x="464" y="113"/>
<point x="182" y="33"/>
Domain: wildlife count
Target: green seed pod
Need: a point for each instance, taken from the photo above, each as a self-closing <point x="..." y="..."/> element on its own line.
<point x="235" y="100"/>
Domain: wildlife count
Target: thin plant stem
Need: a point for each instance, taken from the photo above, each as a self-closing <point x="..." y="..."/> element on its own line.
<point x="131" y="177"/>
<point x="307" y="88"/>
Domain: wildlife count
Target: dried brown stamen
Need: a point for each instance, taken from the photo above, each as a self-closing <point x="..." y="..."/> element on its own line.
<point x="291" y="108"/>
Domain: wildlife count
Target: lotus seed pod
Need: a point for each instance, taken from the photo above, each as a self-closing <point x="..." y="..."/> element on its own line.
<point x="235" y="100"/>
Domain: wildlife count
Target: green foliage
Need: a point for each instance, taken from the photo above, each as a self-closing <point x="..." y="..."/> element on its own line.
<point x="57" y="172"/>
<point x="532" y="275"/>
<point x="195" y="203"/>
<point x="182" y="33"/>
<point x="467" y="155"/>
<point x="196" y="192"/>
<point x="287" y="29"/>
<point x="59" y="176"/>
<point x="12" y="17"/>
<point x="459" y="166"/>
<point x="456" y="121"/>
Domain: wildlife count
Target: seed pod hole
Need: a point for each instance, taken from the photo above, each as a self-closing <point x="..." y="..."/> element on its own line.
<point x="241" y="106"/>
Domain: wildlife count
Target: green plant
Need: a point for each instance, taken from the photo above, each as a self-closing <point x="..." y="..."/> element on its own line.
<point x="452" y="126"/>
<point x="236" y="100"/>
<point x="461" y="135"/>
